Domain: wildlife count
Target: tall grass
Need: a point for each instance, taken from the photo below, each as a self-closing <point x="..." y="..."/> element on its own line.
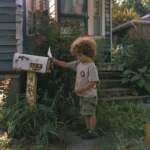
<point x="126" y="122"/>
<point x="43" y="122"/>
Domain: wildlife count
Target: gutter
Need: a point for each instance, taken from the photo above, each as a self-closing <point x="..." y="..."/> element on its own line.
<point x="129" y="23"/>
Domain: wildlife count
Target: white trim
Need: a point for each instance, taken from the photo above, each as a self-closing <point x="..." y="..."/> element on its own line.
<point x="111" y="30"/>
<point x="91" y="18"/>
<point x="19" y="26"/>
<point x="56" y="10"/>
<point x="97" y="37"/>
<point x="90" y="15"/>
<point x="127" y="24"/>
<point x="103" y="18"/>
<point x="146" y="16"/>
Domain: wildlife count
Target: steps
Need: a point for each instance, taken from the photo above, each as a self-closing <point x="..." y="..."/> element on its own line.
<point x="111" y="88"/>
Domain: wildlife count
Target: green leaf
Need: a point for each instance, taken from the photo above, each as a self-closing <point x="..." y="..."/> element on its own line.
<point x="135" y="78"/>
<point x="149" y="70"/>
<point x="147" y="86"/>
<point x="147" y="76"/>
<point x="135" y="93"/>
<point x="143" y="70"/>
<point x="124" y="80"/>
<point x="128" y="71"/>
<point x="141" y="83"/>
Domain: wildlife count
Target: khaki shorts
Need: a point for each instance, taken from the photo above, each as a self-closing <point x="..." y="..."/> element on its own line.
<point x="88" y="106"/>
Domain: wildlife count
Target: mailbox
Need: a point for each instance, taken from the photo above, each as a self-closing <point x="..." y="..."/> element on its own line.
<point x="31" y="63"/>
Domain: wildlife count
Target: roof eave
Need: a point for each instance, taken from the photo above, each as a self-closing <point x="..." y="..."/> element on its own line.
<point x="129" y="23"/>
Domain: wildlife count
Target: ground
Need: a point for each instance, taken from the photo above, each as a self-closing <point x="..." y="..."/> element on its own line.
<point x="72" y="142"/>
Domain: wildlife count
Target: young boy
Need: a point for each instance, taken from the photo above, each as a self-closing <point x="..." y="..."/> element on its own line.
<point x="86" y="79"/>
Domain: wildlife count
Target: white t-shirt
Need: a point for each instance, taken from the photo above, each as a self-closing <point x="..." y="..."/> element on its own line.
<point x="85" y="72"/>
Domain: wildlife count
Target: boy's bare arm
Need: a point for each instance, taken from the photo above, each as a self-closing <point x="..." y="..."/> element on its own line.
<point x="88" y="86"/>
<point x="60" y="63"/>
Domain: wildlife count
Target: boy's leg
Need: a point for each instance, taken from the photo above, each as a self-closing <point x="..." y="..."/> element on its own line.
<point x="87" y="122"/>
<point x="92" y="122"/>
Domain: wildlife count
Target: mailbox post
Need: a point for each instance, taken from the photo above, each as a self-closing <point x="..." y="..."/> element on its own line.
<point x="33" y="65"/>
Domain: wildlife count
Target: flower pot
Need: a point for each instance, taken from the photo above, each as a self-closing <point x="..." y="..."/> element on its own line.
<point x="78" y="8"/>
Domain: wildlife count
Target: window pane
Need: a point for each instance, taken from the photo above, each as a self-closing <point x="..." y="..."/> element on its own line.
<point x="97" y="18"/>
<point x="96" y="25"/>
<point x="96" y="7"/>
<point x="73" y="7"/>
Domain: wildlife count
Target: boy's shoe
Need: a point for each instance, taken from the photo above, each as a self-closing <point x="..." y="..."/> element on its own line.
<point x="82" y="132"/>
<point x="89" y="135"/>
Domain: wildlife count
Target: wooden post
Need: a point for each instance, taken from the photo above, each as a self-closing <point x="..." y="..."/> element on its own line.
<point x="31" y="87"/>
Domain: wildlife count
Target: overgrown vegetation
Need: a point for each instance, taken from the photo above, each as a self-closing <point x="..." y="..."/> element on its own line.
<point x="123" y="124"/>
<point x="137" y="53"/>
<point x="122" y="14"/>
<point x="59" y="37"/>
<point x="43" y="123"/>
<point x="139" y="79"/>
<point x="141" y="7"/>
<point x="56" y="105"/>
<point x="135" y="60"/>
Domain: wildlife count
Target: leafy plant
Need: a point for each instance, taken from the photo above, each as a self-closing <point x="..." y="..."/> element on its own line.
<point x="49" y="33"/>
<point x="122" y="14"/>
<point x="137" y="54"/>
<point x="116" y="54"/>
<point x="140" y="6"/>
<point x="139" y="78"/>
<point x="22" y="120"/>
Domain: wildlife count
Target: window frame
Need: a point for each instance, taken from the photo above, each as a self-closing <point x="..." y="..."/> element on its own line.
<point x="91" y="19"/>
<point x="73" y="16"/>
<point x="34" y="13"/>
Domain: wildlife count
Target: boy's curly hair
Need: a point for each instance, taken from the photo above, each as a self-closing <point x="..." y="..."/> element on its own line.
<point x="84" y="45"/>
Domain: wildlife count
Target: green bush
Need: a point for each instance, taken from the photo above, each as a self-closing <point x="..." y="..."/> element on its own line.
<point x="139" y="79"/>
<point x="137" y="54"/>
<point x="49" y="33"/>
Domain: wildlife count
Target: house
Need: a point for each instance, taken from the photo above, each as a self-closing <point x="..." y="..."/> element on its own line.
<point x="17" y="16"/>
<point x="128" y="28"/>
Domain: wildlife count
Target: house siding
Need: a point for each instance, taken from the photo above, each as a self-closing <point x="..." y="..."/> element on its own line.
<point x="7" y="34"/>
<point x="8" y="46"/>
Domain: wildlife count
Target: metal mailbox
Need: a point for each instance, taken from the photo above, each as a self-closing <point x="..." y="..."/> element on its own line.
<point x="31" y="63"/>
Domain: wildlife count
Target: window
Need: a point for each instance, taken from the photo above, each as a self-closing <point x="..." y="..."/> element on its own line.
<point x="96" y="18"/>
<point x="52" y="8"/>
<point x="89" y="13"/>
<point x="75" y="10"/>
<point x="73" y="7"/>
<point x="35" y="9"/>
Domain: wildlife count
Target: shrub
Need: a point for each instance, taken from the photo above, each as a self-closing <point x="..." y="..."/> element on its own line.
<point x="137" y="54"/>
<point x="139" y="79"/>
<point x="49" y="33"/>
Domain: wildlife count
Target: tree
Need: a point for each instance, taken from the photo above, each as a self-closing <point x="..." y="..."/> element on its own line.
<point x="121" y="14"/>
<point x="142" y="7"/>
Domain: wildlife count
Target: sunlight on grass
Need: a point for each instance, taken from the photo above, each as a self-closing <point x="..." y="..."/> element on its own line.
<point x="3" y="141"/>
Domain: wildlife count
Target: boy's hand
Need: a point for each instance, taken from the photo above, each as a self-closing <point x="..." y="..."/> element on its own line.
<point x="79" y="91"/>
<point x="88" y="86"/>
